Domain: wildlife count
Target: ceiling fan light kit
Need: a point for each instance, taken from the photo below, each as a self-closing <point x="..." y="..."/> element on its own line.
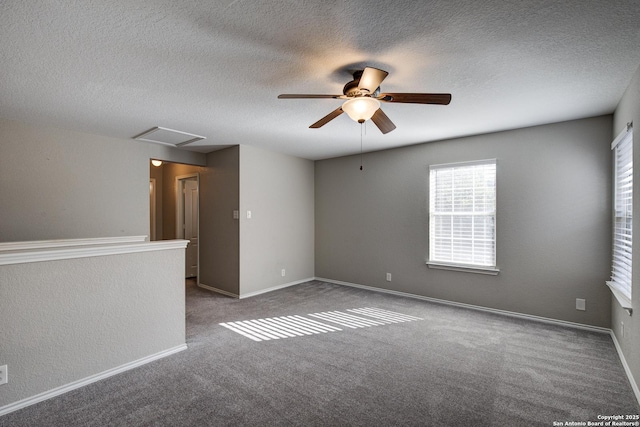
<point x="361" y="109"/>
<point x="363" y="99"/>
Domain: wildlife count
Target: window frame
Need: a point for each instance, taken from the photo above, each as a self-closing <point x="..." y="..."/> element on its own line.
<point x="459" y="266"/>
<point x="622" y="291"/>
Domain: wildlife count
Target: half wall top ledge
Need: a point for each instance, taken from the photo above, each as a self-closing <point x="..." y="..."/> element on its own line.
<point x="50" y="250"/>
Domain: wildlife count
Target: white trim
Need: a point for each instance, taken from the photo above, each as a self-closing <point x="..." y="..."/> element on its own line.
<point x="178" y="144"/>
<point x="88" y="380"/>
<point x="255" y="293"/>
<point x="474" y="307"/>
<point x="220" y="291"/>
<point x="44" y="244"/>
<point x="469" y="163"/>
<point x="152" y="206"/>
<point x="627" y="370"/>
<point x="623" y="300"/>
<point x="492" y="271"/>
<point x="621" y="135"/>
<point x="275" y="288"/>
<point x="65" y="252"/>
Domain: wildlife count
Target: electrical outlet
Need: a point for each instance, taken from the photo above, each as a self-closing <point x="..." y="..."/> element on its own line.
<point x="4" y="374"/>
<point x="581" y="304"/>
<point x="283" y="272"/>
<point x="388" y="277"/>
<point x="236" y="214"/>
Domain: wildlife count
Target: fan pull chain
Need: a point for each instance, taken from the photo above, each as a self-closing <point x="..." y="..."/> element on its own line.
<point x="361" y="146"/>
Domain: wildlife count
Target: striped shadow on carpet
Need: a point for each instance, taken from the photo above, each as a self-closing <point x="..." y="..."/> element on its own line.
<point x="274" y="328"/>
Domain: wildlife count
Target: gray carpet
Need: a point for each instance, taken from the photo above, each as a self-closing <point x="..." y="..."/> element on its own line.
<point x="456" y="367"/>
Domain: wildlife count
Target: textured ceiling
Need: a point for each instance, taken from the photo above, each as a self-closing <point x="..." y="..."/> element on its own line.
<point x="215" y="68"/>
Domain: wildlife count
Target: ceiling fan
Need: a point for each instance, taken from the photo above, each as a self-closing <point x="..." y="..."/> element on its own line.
<point x="363" y="99"/>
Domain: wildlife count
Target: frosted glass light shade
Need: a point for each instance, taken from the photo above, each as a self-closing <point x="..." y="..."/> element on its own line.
<point x="361" y="109"/>
<point x="156" y="163"/>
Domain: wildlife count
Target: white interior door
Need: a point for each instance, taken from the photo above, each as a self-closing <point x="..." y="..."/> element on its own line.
<point x="190" y="194"/>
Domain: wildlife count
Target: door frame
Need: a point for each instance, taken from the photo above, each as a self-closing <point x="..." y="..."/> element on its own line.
<point x="180" y="213"/>
<point x="152" y="201"/>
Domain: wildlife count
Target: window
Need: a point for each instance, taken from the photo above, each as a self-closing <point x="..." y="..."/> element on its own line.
<point x="462" y="216"/>
<point x="620" y="282"/>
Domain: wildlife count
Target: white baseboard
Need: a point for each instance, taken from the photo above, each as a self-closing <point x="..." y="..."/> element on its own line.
<point x="88" y="380"/>
<point x="275" y="288"/>
<point x="220" y="291"/>
<point x="473" y="307"/>
<point x="634" y="384"/>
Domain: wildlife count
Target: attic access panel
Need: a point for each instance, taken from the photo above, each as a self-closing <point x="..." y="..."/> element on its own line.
<point x="167" y="136"/>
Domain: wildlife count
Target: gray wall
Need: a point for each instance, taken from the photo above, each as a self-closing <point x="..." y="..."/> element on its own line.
<point x="219" y="232"/>
<point x="63" y="321"/>
<point x="279" y="191"/>
<point x="58" y="184"/>
<point x="629" y="111"/>
<point x="553" y="220"/>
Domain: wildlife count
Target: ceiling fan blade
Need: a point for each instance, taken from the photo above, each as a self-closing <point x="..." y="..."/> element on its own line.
<point x="307" y="96"/>
<point x="326" y="119"/>
<point x="371" y="79"/>
<point x="417" y="98"/>
<point x="383" y="122"/>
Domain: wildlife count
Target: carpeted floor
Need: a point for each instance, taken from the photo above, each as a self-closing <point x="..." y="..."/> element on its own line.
<point x="455" y="367"/>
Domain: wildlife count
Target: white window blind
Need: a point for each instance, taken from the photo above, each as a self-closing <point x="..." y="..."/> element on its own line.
<point x="623" y="217"/>
<point x="462" y="214"/>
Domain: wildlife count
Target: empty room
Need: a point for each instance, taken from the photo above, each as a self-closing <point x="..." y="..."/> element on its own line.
<point x="319" y="213"/>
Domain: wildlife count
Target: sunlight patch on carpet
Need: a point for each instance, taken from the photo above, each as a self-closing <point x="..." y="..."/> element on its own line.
<point x="274" y="328"/>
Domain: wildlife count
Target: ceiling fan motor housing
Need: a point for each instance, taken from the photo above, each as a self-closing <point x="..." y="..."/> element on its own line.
<point x="351" y="88"/>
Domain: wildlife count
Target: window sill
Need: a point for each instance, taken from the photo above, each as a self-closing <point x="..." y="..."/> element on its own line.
<point x="622" y="298"/>
<point x="492" y="271"/>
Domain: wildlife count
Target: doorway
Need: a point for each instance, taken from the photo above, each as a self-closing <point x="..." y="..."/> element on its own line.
<point x="174" y="205"/>
<point x="187" y="221"/>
